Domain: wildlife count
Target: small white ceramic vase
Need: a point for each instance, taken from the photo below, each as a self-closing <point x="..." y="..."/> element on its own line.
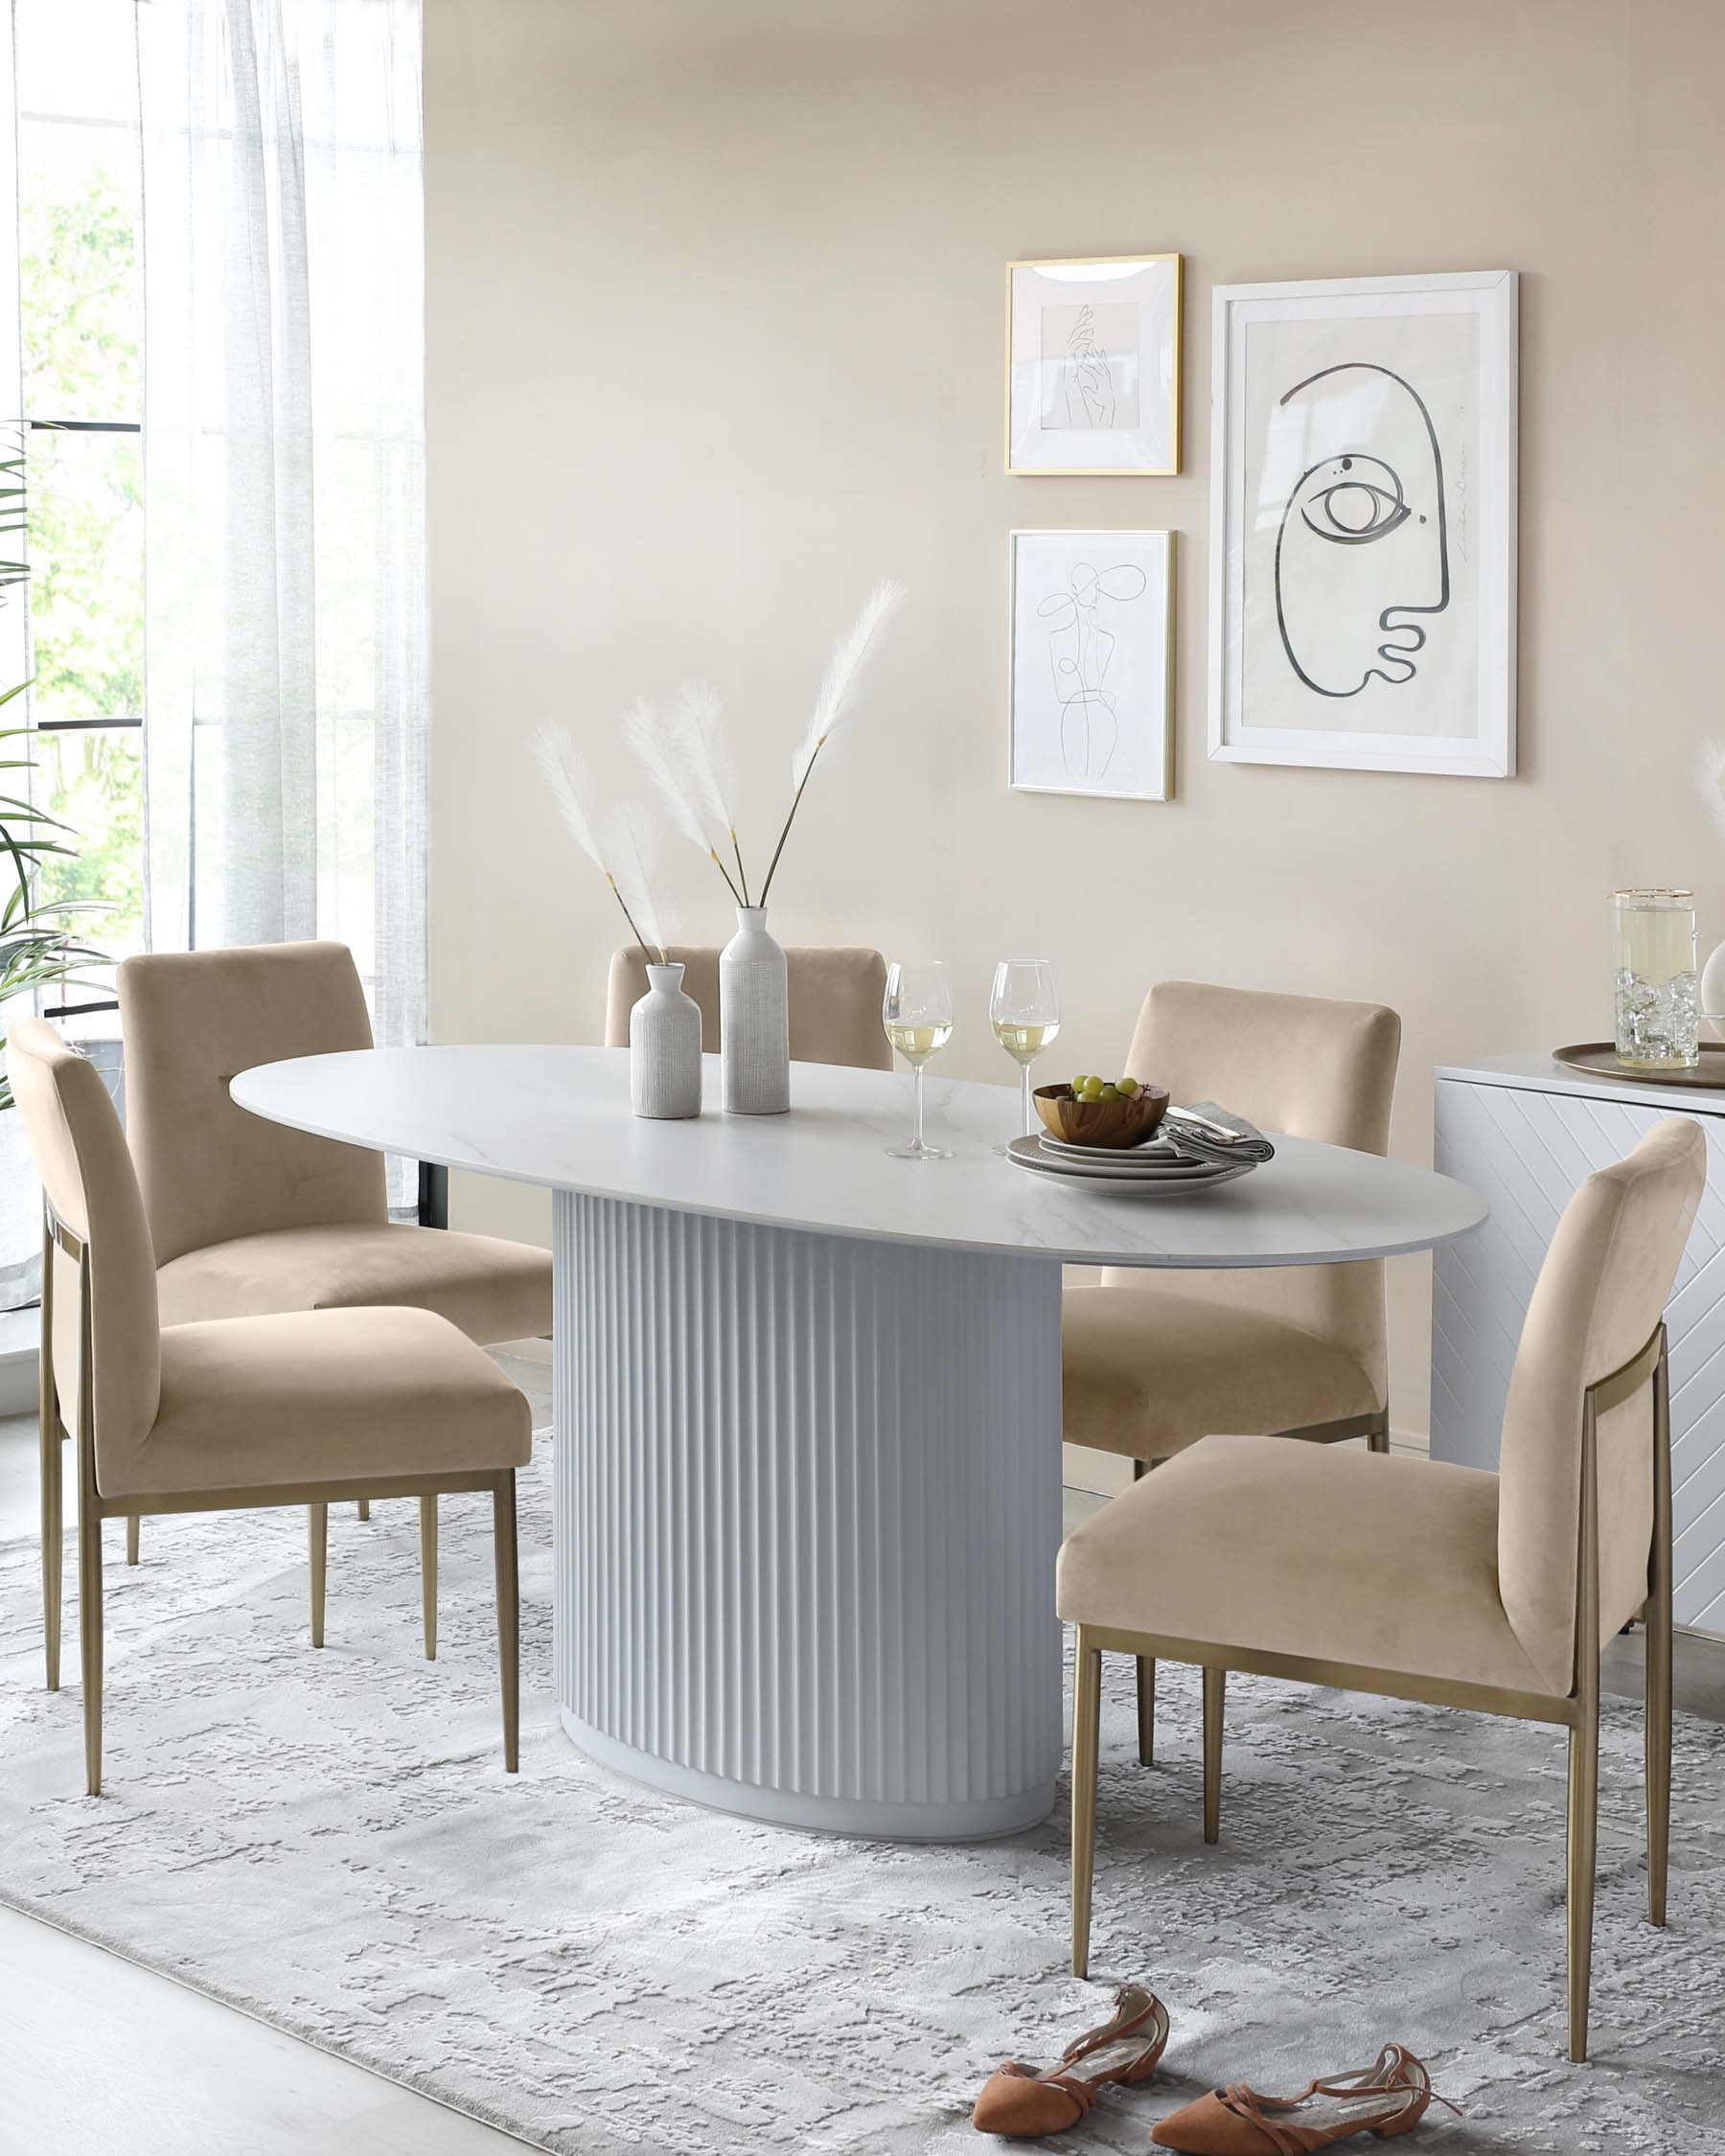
<point x="755" y="1026"/>
<point x="1713" y="991"/>
<point x="664" y="1048"/>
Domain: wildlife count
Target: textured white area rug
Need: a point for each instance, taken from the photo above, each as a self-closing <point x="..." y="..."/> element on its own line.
<point x="329" y="1840"/>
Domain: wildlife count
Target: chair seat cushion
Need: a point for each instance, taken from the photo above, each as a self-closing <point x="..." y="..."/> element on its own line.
<point x="323" y="1395"/>
<point x="492" y="1288"/>
<point x="1325" y="1551"/>
<point x="1149" y="1371"/>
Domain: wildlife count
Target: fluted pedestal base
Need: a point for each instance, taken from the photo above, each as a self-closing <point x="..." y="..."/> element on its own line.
<point x="808" y="1508"/>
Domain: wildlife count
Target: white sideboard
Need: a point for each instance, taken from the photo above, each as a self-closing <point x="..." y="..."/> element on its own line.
<point x="1525" y="1132"/>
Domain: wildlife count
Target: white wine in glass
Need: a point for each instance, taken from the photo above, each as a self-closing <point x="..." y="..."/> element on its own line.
<point x="1025" y="1013"/>
<point x="916" y="1043"/>
<point x="916" y="1014"/>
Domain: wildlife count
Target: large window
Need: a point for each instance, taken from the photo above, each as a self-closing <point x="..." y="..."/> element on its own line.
<point x="216" y="302"/>
<point x="80" y="315"/>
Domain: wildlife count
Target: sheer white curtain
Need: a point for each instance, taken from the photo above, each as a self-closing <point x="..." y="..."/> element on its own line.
<point x="286" y="702"/>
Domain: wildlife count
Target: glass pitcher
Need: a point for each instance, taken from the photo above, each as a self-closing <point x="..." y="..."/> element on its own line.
<point x="1657" y="1005"/>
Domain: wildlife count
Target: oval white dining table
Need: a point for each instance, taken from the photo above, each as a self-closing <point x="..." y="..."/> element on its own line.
<point x="807" y="1427"/>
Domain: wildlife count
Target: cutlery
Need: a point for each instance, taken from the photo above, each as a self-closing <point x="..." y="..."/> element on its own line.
<point x="1220" y="1132"/>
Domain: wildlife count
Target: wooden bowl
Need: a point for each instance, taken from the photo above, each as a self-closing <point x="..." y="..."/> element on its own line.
<point x="1111" y="1125"/>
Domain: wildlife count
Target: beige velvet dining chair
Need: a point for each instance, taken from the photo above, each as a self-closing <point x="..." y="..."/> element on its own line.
<point x="250" y="1219"/>
<point x="1150" y="1368"/>
<point x="833" y="994"/>
<point x="1422" y="1580"/>
<point x="297" y="1407"/>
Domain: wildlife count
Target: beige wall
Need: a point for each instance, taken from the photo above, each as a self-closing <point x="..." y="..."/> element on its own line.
<point x="715" y="341"/>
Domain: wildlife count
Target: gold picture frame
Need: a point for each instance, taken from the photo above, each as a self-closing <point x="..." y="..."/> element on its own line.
<point x="1091" y="367"/>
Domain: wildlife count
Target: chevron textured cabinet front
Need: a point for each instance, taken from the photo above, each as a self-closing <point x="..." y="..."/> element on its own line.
<point x="1526" y="1147"/>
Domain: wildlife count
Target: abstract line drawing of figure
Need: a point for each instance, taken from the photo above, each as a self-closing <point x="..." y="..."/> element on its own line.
<point x="1079" y="652"/>
<point x="1364" y="542"/>
<point x="1085" y="389"/>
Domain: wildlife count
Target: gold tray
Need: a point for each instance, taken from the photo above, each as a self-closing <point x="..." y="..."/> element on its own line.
<point x="1598" y="1060"/>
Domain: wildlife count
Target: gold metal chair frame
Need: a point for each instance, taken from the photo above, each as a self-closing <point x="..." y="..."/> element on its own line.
<point x="1374" y="1428"/>
<point x="93" y="1508"/>
<point x="1579" y="1711"/>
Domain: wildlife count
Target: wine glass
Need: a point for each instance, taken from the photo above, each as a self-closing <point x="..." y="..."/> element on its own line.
<point x="1025" y="1013"/>
<point x="916" y="1012"/>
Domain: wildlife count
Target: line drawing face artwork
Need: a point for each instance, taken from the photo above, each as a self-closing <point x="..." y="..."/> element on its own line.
<point x="1088" y="366"/>
<point x="1079" y="650"/>
<point x="1364" y="509"/>
<point x="1363" y="548"/>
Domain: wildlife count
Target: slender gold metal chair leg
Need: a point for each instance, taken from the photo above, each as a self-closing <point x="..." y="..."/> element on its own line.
<point x="1657" y="1689"/>
<point x="317" y="1518"/>
<point x="53" y="1544"/>
<point x="1086" y="1731"/>
<point x="89" y="1544"/>
<point x="428" y="1573"/>
<point x="509" y="1617"/>
<point x="1584" y="1739"/>
<point x="131" y="1538"/>
<point x="48" y="1426"/>
<point x="1659" y="1767"/>
<point x="89" y="1632"/>
<point x="1215" y="1694"/>
<point x="1583" y="1827"/>
<point x="365" y="1508"/>
<point x="1146" y="1670"/>
<point x="1146" y="1710"/>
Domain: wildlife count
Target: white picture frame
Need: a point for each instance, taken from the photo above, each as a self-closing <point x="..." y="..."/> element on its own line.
<point x="1092" y="366"/>
<point x="1090" y="663"/>
<point x="1346" y="413"/>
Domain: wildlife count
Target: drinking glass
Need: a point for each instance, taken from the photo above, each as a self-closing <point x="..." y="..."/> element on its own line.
<point x="916" y="1012"/>
<point x="1656" y="1001"/>
<point x="1025" y="1013"/>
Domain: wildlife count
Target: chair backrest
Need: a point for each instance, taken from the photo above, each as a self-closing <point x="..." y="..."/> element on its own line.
<point x="191" y="1022"/>
<point x="1601" y="1292"/>
<point x="835" y="997"/>
<point x="79" y="1153"/>
<point x="1299" y="1063"/>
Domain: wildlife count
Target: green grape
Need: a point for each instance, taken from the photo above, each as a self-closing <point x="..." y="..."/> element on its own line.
<point x="1079" y="1083"/>
<point x="1093" y="1090"/>
<point x="1108" y="1092"/>
<point x="1130" y="1086"/>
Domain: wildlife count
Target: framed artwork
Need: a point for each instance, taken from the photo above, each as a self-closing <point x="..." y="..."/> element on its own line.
<point x="1092" y="366"/>
<point x="1363" y="525"/>
<point x="1091" y="662"/>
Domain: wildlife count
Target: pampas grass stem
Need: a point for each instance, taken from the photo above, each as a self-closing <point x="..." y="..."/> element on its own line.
<point x="837" y="701"/>
<point x="571" y="788"/>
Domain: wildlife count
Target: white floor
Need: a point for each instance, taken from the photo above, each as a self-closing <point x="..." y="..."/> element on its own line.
<point x="100" y="2056"/>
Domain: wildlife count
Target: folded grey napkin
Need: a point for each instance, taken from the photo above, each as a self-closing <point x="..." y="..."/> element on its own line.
<point x="1197" y="1143"/>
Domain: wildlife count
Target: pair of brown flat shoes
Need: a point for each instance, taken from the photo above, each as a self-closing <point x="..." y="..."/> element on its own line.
<point x="1387" y="2098"/>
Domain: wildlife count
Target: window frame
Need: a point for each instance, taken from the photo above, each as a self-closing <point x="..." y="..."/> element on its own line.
<point x="125" y="722"/>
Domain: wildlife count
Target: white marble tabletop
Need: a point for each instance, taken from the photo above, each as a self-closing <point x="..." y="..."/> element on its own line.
<point x="561" y="1118"/>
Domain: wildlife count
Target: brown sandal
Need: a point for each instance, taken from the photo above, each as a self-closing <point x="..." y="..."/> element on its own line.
<point x="1388" y="2098"/>
<point x="1022" y="2103"/>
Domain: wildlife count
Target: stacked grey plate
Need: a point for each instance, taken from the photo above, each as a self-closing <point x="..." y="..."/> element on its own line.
<point x="1155" y="1169"/>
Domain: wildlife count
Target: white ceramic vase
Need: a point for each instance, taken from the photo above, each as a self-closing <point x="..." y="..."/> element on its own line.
<point x="664" y="1048"/>
<point x="755" y="1026"/>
